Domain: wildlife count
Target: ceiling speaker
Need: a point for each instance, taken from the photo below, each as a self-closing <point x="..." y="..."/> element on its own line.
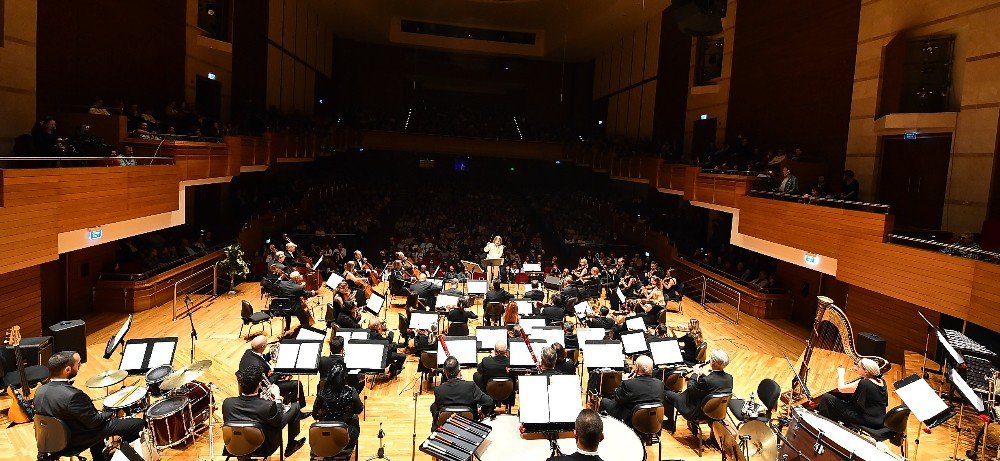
<point x="699" y="17"/>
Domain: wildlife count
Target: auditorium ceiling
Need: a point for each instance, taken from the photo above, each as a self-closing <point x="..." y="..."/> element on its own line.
<point x="573" y="30"/>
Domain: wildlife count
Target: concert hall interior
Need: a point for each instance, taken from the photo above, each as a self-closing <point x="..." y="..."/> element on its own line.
<point x="500" y="229"/>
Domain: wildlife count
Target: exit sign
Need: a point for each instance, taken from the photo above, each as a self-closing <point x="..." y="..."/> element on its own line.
<point x="95" y="234"/>
<point x="910" y="135"/>
<point x="812" y="259"/>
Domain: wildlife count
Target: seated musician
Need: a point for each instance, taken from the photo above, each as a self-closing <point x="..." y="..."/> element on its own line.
<point x="273" y="275"/>
<point x="355" y="282"/>
<point x="294" y="290"/>
<point x="862" y="401"/>
<point x="378" y="331"/>
<point x="554" y="314"/>
<point x="291" y="258"/>
<point x="87" y="427"/>
<point x="280" y="260"/>
<point x="336" y="356"/>
<point x="510" y="315"/>
<point x="690" y="342"/>
<point x="494" y="366"/>
<point x="343" y="301"/>
<point x="425" y="341"/>
<point x="588" y="432"/>
<point x="581" y="270"/>
<point x="642" y="388"/>
<point x="249" y="407"/>
<point x="338" y="401"/>
<point x="655" y="271"/>
<point x="699" y="385"/>
<point x="497" y="294"/>
<point x="605" y="320"/>
<point x="291" y="389"/>
<point x="652" y="303"/>
<point x="456" y="391"/>
<point x="459" y="314"/>
<point x="564" y="365"/>
<point x="535" y="293"/>
<point x="592" y="283"/>
<point x="350" y="319"/>
<point x="426" y="292"/>
<point x="399" y="282"/>
<point x="548" y="359"/>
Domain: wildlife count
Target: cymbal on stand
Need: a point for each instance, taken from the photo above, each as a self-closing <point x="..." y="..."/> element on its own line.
<point x="106" y="378"/>
<point x="763" y="442"/>
<point x="185" y="375"/>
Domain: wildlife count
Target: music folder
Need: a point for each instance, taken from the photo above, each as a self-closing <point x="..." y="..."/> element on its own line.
<point x="350" y="334"/>
<point x="550" y="335"/>
<point x="665" y="351"/>
<point x="367" y="355"/>
<point x="446" y="301"/>
<point x="423" y="320"/>
<point x="520" y="357"/>
<point x="144" y="354"/>
<point x="604" y="354"/>
<point x="298" y="356"/>
<point x="635" y="323"/>
<point x="549" y="402"/>
<point x="528" y="322"/>
<point x="634" y="342"/>
<point x="589" y="334"/>
<point x="117" y="338"/>
<point x="524" y="307"/>
<point x="476" y="287"/>
<point x="925" y="404"/>
<point x="463" y="348"/>
<point x="528" y="267"/>
<point x="489" y="336"/>
<point x="583" y="308"/>
<point x="334" y="280"/>
<point x="963" y="388"/>
<point x="375" y="302"/>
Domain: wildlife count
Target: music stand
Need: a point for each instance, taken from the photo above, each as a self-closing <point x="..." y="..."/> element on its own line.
<point x="476" y="287"/>
<point x="310" y="333"/>
<point x="374" y="303"/>
<point x="528" y="322"/>
<point x="583" y="335"/>
<point x="298" y="357"/>
<point x="922" y="401"/>
<point x="366" y="355"/>
<point x="142" y="355"/>
<point x="495" y="262"/>
<point x="116" y="340"/>
<point x="604" y="354"/>
<point x="551" y="335"/>
<point x="552" y="282"/>
<point x="488" y="337"/>
<point x="665" y="351"/>
<point x="472" y="267"/>
<point x="634" y="342"/>
<point x="531" y="268"/>
<point x="582" y="309"/>
<point x="520" y="357"/>
<point x="549" y="403"/>
<point x="423" y="320"/>
<point x="446" y="301"/>
<point x="351" y="334"/>
<point x="334" y="280"/>
<point x="524" y="307"/>
<point x="968" y="395"/>
<point x="635" y="323"/>
<point x="463" y="348"/>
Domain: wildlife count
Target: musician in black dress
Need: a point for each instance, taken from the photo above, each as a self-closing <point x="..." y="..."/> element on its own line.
<point x="589" y="432"/>
<point x="378" y="331"/>
<point x="340" y="402"/>
<point x="860" y="402"/>
<point x="336" y="356"/>
<point x="343" y="301"/>
<point x="350" y="319"/>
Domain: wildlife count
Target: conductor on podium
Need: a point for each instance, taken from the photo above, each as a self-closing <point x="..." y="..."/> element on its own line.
<point x="494" y="259"/>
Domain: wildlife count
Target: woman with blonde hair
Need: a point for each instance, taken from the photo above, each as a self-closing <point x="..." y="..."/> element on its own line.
<point x="862" y="401"/>
<point x="493" y="250"/>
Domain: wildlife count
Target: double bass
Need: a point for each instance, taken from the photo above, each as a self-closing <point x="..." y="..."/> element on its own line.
<point x="310" y="275"/>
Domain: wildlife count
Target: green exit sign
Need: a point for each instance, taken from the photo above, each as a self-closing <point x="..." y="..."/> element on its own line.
<point x="95" y="234"/>
<point x="812" y="259"/>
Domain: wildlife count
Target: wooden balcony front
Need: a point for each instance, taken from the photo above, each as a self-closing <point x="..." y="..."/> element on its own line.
<point x="154" y="290"/>
<point x="194" y="160"/>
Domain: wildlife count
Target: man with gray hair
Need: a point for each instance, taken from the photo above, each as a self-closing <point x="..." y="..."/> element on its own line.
<point x="688" y="403"/>
<point x="547" y="361"/>
<point x="642" y="388"/>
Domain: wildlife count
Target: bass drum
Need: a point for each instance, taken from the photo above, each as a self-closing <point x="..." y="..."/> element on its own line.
<point x="811" y="437"/>
<point x="156" y="376"/>
<point x="170" y="421"/>
<point x="197" y="394"/>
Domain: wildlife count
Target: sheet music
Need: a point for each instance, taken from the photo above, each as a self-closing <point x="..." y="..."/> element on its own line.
<point x="519" y="355"/>
<point x="589" y="334"/>
<point x="365" y="356"/>
<point x="488" y="337"/>
<point x="921" y="399"/>
<point x="604" y="355"/>
<point x="967" y="391"/>
<point x="438" y="282"/>
<point x="528" y="324"/>
<point x="533" y="392"/>
<point x="527" y="267"/>
<point x="464" y="350"/>
<point x="287" y="355"/>
<point x="375" y="303"/>
<point x="525" y="287"/>
<point x="634" y="342"/>
<point x="524" y="307"/>
<point x="423" y="320"/>
<point x="635" y="323"/>
<point x="121" y="331"/>
<point x="132" y="358"/>
<point x="666" y="352"/>
<point x="334" y="280"/>
<point x="583" y="308"/>
<point x="564" y="398"/>
<point x="477" y="287"/>
<point x="549" y="334"/>
<point x="162" y="354"/>
<point x="308" y="355"/>
<point x="446" y="301"/>
<point x="311" y="334"/>
<point x="621" y="296"/>
<point x="351" y="335"/>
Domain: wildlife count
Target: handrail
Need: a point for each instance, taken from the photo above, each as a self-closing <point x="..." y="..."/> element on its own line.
<point x="176" y="137"/>
<point x="952" y="249"/>
<point x="733" y="278"/>
<point x="215" y="286"/>
<point x="734" y="172"/>
<point x="110" y="157"/>
<point x="821" y="201"/>
<point x="120" y="276"/>
<point x="716" y="285"/>
<point x="478" y="138"/>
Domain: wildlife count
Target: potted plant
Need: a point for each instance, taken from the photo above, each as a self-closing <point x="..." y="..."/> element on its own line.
<point x="233" y="265"/>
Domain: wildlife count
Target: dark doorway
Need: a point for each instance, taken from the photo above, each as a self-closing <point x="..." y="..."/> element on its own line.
<point x="703" y="138"/>
<point x="208" y="97"/>
<point x="913" y="178"/>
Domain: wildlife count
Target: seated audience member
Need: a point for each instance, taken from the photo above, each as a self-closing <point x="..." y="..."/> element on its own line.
<point x="789" y="183"/>
<point x="249" y="407"/>
<point x="699" y="385"/>
<point x="643" y="388"/>
<point x="340" y="402"/>
<point x="851" y="188"/>
<point x="588" y="432"/>
<point x="97" y="108"/>
<point x="457" y="392"/>
<point x="88" y="427"/>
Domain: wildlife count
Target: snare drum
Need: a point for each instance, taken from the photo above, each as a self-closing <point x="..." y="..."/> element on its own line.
<point x="815" y="438"/>
<point x="127" y="401"/>
<point x="197" y="394"/>
<point x="170" y="421"/>
<point x="156" y="376"/>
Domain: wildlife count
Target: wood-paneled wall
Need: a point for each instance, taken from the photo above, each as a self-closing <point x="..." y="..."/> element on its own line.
<point x="300" y="46"/>
<point x="712" y="100"/>
<point x="17" y="81"/>
<point x="194" y="160"/>
<point x="140" y="295"/>
<point x="410" y="142"/>
<point x="626" y="74"/>
<point x="21" y="301"/>
<point x="894" y="320"/>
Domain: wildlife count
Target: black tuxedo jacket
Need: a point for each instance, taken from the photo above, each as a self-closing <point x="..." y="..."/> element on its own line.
<point x="716" y="382"/>
<point x="575" y="457"/>
<point x="61" y="400"/>
<point x="553" y="315"/>
<point x="460" y="392"/>
<point x="534" y="295"/>
<point x="344" y="320"/>
<point x="498" y="296"/>
<point x="494" y="367"/>
<point x="641" y="389"/>
<point x="327" y="362"/>
<point x="250" y="358"/>
<point x="254" y="409"/>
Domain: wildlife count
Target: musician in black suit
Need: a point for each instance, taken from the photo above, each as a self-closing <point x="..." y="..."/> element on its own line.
<point x="291" y="257"/>
<point x="426" y="291"/>
<point x="497" y="294"/>
<point x="553" y="315"/>
<point x="399" y="283"/>
<point x="291" y="389"/>
<point x="564" y="365"/>
<point x="294" y="291"/>
<point x="350" y="319"/>
<point x="494" y="366"/>
<point x="377" y="331"/>
<point x="589" y="432"/>
<point x="699" y="385"/>
<point x="548" y="360"/>
<point x="535" y="293"/>
<point x="87" y="427"/>
<point x="643" y="388"/>
<point x="459" y="314"/>
<point x="249" y="407"/>
<point x="336" y="356"/>
<point x="456" y="391"/>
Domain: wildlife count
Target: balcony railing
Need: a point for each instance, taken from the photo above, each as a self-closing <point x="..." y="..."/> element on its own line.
<point x="821" y="201"/>
<point x="952" y="249"/>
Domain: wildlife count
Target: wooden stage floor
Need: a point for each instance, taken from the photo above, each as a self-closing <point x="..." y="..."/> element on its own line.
<point x="756" y="348"/>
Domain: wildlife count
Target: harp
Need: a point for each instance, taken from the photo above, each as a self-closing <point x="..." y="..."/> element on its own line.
<point x="831" y="344"/>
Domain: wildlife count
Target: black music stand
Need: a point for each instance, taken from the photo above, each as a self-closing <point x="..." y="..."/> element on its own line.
<point x="968" y="395"/>
<point x="142" y="355"/>
<point x="298" y="356"/>
<point x="953" y="355"/>
<point x="463" y="348"/>
<point x="116" y="340"/>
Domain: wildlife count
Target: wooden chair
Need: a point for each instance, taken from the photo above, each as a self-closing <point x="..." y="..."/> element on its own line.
<point x="500" y="390"/>
<point x="52" y="436"/>
<point x="243" y="439"/>
<point x="647" y="421"/>
<point x="331" y="440"/>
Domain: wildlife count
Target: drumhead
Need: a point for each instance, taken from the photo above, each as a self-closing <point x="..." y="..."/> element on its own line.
<point x="167" y="407"/>
<point x="845" y="440"/>
<point x="159" y="373"/>
<point x="118" y="399"/>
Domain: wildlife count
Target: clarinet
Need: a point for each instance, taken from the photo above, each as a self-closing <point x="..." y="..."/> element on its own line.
<point x="527" y="342"/>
